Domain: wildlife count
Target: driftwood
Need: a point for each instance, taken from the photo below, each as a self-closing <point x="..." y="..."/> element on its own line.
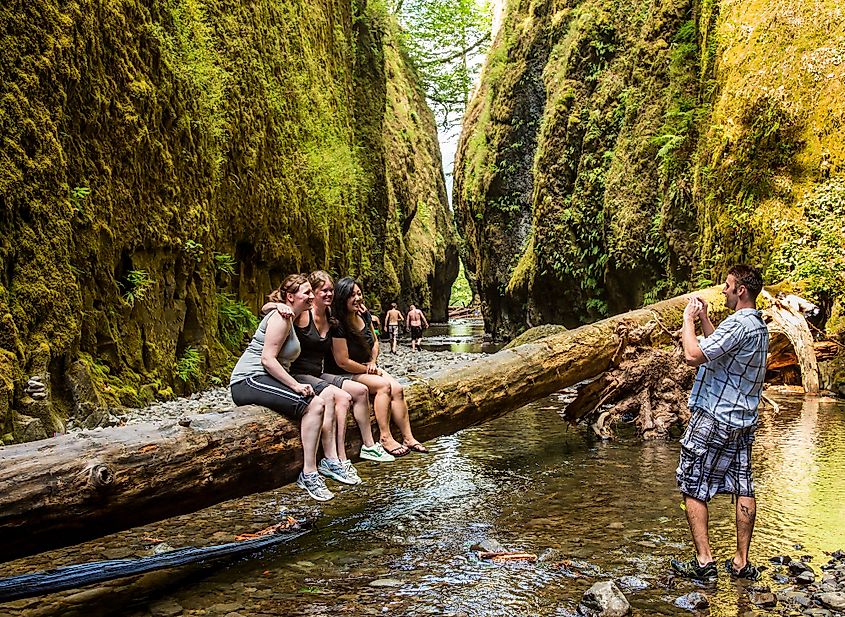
<point x="75" y="487"/>
<point x="794" y="325"/>
<point x="649" y="387"/>
<point x="70" y="577"/>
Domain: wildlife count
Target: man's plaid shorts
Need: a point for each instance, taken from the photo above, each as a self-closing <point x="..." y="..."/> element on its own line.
<point x="715" y="458"/>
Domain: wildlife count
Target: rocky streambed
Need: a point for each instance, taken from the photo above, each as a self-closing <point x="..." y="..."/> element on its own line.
<point x="404" y="365"/>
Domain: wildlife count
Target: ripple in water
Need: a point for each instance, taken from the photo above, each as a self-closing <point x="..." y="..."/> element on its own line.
<point x="400" y="543"/>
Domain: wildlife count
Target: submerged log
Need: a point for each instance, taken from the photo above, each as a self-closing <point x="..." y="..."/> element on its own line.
<point x="79" y="575"/>
<point x="76" y="487"/>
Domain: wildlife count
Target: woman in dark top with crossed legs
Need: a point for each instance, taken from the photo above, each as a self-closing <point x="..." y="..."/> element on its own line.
<point x="355" y="351"/>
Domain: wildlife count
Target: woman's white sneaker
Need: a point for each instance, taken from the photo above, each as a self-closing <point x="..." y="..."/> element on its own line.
<point x="314" y="485"/>
<point x="351" y="472"/>
<point x="377" y="453"/>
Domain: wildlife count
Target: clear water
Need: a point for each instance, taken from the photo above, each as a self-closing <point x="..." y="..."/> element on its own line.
<point x="460" y="335"/>
<point x="400" y="543"/>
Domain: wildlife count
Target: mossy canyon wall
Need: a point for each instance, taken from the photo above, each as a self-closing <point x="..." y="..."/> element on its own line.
<point x="621" y="151"/>
<point x="165" y="163"/>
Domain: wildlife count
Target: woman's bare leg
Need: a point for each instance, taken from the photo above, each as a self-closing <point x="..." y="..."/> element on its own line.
<point x="329" y="432"/>
<point x="361" y="409"/>
<point x="342" y="403"/>
<point x="380" y="387"/>
<point x="309" y="432"/>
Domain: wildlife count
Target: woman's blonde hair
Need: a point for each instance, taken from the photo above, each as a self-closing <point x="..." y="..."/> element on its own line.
<point x="319" y="278"/>
<point x="290" y="285"/>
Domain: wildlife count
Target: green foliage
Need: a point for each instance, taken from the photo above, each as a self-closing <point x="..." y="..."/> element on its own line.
<point x="78" y="199"/>
<point x="137" y="286"/>
<point x="461" y="291"/>
<point x="188" y="366"/>
<point x="225" y="263"/>
<point x="194" y="249"/>
<point x="234" y="320"/>
<point x="812" y="252"/>
<point x="446" y="41"/>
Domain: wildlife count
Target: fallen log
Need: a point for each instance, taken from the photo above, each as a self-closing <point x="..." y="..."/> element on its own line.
<point x="76" y="487"/>
<point x="794" y="325"/>
<point x="80" y="575"/>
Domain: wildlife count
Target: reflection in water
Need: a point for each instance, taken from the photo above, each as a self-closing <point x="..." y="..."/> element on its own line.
<point x="459" y="335"/>
<point x="399" y="544"/>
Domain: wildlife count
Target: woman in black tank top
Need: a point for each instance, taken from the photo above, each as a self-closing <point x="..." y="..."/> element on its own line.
<point x="355" y="349"/>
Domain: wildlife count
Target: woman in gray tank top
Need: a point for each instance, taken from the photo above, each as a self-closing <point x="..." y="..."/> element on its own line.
<point x="261" y="378"/>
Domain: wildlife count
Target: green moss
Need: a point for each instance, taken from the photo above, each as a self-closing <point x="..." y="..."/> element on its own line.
<point x="157" y="138"/>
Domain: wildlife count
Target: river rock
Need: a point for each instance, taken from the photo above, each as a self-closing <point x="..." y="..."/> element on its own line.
<point x="763" y="598"/>
<point x="604" y="599"/>
<point x="834" y="600"/>
<point x="693" y="601"/>
<point x="386" y="582"/>
<point x="795" y="598"/>
<point x="166" y="608"/>
<point x="488" y="546"/>
<point x="633" y="583"/>
<point x="816" y="612"/>
<point x="805" y="578"/>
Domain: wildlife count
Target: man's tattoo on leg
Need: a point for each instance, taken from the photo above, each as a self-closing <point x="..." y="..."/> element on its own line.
<point x="748" y="512"/>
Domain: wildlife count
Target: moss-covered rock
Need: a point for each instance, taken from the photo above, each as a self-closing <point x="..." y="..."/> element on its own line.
<point x="616" y="153"/>
<point x="159" y="153"/>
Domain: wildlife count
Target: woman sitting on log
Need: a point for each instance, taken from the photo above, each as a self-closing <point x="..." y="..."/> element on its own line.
<point x="312" y="329"/>
<point x="355" y="353"/>
<point x="261" y="377"/>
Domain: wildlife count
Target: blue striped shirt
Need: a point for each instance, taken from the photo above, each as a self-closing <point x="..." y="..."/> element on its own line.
<point x="728" y="385"/>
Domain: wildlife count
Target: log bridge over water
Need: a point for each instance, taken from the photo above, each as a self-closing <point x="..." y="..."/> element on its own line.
<point x="80" y="486"/>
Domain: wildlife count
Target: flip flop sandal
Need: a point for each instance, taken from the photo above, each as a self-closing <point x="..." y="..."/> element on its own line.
<point x="400" y="451"/>
<point x="418" y="447"/>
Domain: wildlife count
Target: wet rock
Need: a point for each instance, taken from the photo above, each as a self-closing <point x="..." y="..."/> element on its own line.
<point x="805" y="578"/>
<point x="799" y="567"/>
<point x="816" y="612"/>
<point x="795" y="598"/>
<point x="549" y="554"/>
<point x="386" y="582"/>
<point x="780" y="560"/>
<point x="225" y="608"/>
<point x="604" y="599"/>
<point x="765" y="599"/>
<point x="693" y="601"/>
<point x="489" y="546"/>
<point x="833" y="600"/>
<point x="166" y="608"/>
<point x="633" y="583"/>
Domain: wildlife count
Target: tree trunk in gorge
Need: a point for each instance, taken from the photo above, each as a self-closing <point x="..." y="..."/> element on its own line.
<point x="80" y="486"/>
<point x="794" y="326"/>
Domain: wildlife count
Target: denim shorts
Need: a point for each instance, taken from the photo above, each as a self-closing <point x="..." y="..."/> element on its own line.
<point x="715" y="458"/>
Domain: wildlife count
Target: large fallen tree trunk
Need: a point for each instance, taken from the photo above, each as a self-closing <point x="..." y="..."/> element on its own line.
<point x="75" y="487"/>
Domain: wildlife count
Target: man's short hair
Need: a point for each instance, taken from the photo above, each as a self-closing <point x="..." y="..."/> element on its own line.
<point x="749" y="277"/>
<point x="393" y="305"/>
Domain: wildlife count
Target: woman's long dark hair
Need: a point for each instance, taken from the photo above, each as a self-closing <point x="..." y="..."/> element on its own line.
<point x="343" y="290"/>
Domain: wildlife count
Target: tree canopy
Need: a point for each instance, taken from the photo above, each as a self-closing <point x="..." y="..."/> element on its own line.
<point x="446" y="41"/>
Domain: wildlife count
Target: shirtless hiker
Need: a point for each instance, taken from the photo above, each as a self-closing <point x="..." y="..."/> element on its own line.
<point x="416" y="324"/>
<point x="392" y="321"/>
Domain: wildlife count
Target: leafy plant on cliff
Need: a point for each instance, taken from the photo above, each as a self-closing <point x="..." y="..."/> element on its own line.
<point x="225" y="263"/>
<point x="137" y="285"/>
<point x="188" y="366"/>
<point x="813" y="251"/>
<point x="234" y="320"/>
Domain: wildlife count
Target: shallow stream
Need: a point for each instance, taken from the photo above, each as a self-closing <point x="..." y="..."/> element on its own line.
<point x="400" y="543"/>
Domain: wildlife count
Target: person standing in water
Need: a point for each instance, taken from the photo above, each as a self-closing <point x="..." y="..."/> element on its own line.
<point x="716" y="447"/>
<point x="392" y="321"/>
<point x="355" y="351"/>
<point x="416" y="322"/>
<point x="261" y="377"/>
